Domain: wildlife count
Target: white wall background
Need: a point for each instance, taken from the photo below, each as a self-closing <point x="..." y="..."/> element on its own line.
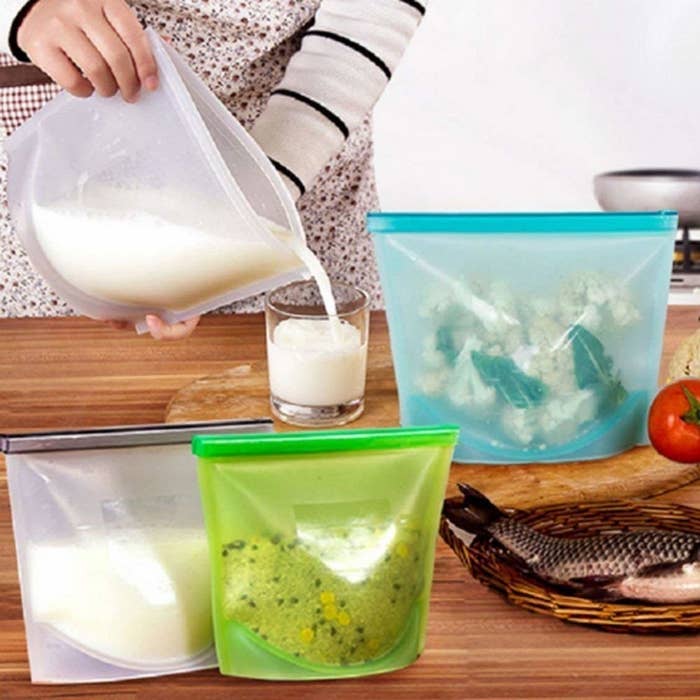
<point x="516" y="104"/>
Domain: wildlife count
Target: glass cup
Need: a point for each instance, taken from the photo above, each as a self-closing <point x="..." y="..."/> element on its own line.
<point x="317" y="365"/>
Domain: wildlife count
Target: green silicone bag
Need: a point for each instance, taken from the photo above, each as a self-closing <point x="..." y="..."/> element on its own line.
<point x="322" y="547"/>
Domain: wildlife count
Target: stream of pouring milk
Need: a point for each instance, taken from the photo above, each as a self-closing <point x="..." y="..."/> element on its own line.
<point x="320" y="276"/>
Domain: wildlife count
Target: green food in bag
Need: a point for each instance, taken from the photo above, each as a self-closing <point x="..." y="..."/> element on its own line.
<point x="282" y="590"/>
<point x="322" y="548"/>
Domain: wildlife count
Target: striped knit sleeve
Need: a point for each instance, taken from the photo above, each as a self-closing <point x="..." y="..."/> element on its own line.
<point x="345" y="61"/>
<point x="10" y="11"/>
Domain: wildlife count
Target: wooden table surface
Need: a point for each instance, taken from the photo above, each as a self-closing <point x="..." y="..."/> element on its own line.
<point x="63" y="373"/>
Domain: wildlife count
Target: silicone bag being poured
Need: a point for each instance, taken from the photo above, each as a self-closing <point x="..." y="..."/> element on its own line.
<point x="166" y="206"/>
<point x="322" y="547"/>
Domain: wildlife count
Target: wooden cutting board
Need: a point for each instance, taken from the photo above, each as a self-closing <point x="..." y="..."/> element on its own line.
<point x="637" y="473"/>
<point x="242" y="392"/>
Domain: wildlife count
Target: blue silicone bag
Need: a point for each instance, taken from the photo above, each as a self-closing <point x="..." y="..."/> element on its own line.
<point x="538" y="334"/>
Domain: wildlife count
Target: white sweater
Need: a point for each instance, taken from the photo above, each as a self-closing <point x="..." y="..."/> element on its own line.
<point x="345" y="61"/>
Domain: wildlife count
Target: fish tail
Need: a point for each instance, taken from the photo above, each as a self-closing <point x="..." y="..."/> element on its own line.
<point x="474" y="514"/>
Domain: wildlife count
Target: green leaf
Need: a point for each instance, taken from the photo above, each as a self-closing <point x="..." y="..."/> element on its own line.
<point x="692" y="415"/>
<point x="611" y="396"/>
<point x="511" y="383"/>
<point x="594" y="369"/>
<point x="591" y="365"/>
<point x="445" y="343"/>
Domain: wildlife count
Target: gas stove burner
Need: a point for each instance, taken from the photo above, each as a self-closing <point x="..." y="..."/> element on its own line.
<point x="686" y="282"/>
<point x="686" y="255"/>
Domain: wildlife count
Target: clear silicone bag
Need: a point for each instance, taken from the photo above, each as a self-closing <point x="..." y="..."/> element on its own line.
<point x="153" y="207"/>
<point x="322" y="548"/>
<point x="538" y="334"/>
<point x="112" y="551"/>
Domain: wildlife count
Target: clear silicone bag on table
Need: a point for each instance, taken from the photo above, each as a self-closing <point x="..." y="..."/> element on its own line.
<point x="322" y="547"/>
<point x="112" y="552"/>
<point x="153" y="207"/>
<point x="538" y="334"/>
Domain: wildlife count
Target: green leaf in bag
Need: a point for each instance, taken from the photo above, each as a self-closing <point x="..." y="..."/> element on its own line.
<point x="591" y="364"/>
<point x="445" y="343"/>
<point x="512" y="384"/>
<point x="611" y="396"/>
<point x="594" y="369"/>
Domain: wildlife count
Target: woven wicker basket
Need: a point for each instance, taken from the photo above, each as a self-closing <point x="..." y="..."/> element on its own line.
<point x="492" y="568"/>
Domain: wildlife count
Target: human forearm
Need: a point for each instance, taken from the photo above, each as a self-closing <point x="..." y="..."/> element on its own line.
<point x="344" y="64"/>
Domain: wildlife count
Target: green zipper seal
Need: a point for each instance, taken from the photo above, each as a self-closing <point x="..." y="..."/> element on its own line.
<point x="211" y="446"/>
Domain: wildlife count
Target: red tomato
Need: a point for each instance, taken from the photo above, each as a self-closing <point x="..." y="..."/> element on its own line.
<point x="674" y="421"/>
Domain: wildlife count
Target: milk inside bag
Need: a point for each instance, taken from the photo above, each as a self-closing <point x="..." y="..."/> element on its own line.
<point x="166" y="206"/>
<point x="112" y="552"/>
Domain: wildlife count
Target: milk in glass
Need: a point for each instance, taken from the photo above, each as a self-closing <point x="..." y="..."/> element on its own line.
<point x="311" y="363"/>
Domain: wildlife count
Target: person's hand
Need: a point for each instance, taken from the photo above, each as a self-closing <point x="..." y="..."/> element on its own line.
<point x="177" y="331"/>
<point x="87" y="45"/>
<point x="161" y="330"/>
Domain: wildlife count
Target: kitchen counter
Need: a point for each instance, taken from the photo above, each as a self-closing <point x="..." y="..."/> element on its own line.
<point x="61" y="373"/>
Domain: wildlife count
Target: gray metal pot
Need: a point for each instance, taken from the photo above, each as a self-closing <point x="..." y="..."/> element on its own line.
<point x="651" y="190"/>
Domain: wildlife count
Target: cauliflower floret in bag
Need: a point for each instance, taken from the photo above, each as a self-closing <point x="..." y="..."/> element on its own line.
<point x="498" y="313"/>
<point x="434" y="383"/>
<point x="551" y="359"/>
<point x="519" y="424"/>
<point x="562" y="416"/>
<point x="591" y="300"/>
<point x="467" y="388"/>
<point x="534" y="364"/>
<point x="555" y="421"/>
